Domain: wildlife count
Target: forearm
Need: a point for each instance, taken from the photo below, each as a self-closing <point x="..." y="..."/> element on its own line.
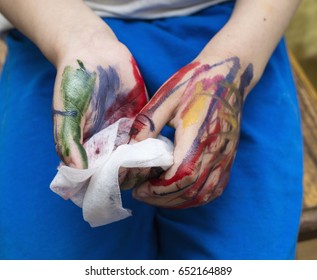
<point x="253" y="32"/>
<point x="55" y="25"/>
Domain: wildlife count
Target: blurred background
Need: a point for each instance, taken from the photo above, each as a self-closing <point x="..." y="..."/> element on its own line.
<point x="301" y="38"/>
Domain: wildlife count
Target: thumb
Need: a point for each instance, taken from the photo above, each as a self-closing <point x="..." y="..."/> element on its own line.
<point x="148" y="123"/>
<point x="68" y="140"/>
<point x="160" y="109"/>
<point x="71" y="102"/>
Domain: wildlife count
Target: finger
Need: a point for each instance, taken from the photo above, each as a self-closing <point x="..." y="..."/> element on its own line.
<point x="133" y="177"/>
<point x="171" y="192"/>
<point x="212" y="177"/>
<point x="218" y="159"/>
<point x="159" y="110"/>
<point x="71" y="102"/>
<point x="212" y="187"/>
<point x="183" y="175"/>
<point x="68" y="143"/>
<point x="211" y="180"/>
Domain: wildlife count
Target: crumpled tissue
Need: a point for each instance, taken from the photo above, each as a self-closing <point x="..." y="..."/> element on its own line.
<point x="96" y="189"/>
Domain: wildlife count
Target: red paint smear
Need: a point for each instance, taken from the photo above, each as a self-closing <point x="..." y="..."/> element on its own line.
<point x="197" y="187"/>
<point x="213" y="189"/>
<point x="139" y="88"/>
<point x="141" y="122"/>
<point x="213" y="135"/>
<point x="131" y="104"/>
<point x="158" y="98"/>
<point x="187" y="166"/>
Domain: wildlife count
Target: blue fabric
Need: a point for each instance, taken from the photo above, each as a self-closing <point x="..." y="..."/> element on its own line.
<point x="257" y="217"/>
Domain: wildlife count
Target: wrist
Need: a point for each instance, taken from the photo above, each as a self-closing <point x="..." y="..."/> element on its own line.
<point x="226" y="45"/>
<point x="79" y="42"/>
<point x="56" y="26"/>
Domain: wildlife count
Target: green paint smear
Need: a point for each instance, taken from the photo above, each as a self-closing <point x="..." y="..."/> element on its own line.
<point x="76" y="88"/>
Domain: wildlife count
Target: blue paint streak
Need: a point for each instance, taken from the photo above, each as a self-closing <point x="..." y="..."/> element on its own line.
<point x="71" y="113"/>
<point x="102" y="100"/>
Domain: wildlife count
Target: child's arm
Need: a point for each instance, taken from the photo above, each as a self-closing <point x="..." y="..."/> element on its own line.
<point x="97" y="79"/>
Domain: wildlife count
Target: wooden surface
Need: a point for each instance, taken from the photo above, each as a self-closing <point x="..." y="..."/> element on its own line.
<point x="307" y="250"/>
<point x="308" y="229"/>
<point x="308" y="102"/>
<point x="3" y="52"/>
<point x="301" y="38"/>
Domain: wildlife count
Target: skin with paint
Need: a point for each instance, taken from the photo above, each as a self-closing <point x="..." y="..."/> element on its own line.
<point x="203" y="102"/>
<point x="90" y="99"/>
<point x="76" y="89"/>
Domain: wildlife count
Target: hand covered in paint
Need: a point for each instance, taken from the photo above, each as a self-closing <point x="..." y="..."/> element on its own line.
<point x="91" y="92"/>
<point x="203" y="102"/>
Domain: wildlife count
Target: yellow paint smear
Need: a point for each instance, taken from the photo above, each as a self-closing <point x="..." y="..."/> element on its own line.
<point x="200" y="99"/>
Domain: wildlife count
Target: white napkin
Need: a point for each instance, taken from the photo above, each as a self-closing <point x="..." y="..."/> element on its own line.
<point x="96" y="189"/>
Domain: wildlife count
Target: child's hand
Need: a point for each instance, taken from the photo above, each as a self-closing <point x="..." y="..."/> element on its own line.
<point x="93" y="89"/>
<point x="203" y="102"/>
